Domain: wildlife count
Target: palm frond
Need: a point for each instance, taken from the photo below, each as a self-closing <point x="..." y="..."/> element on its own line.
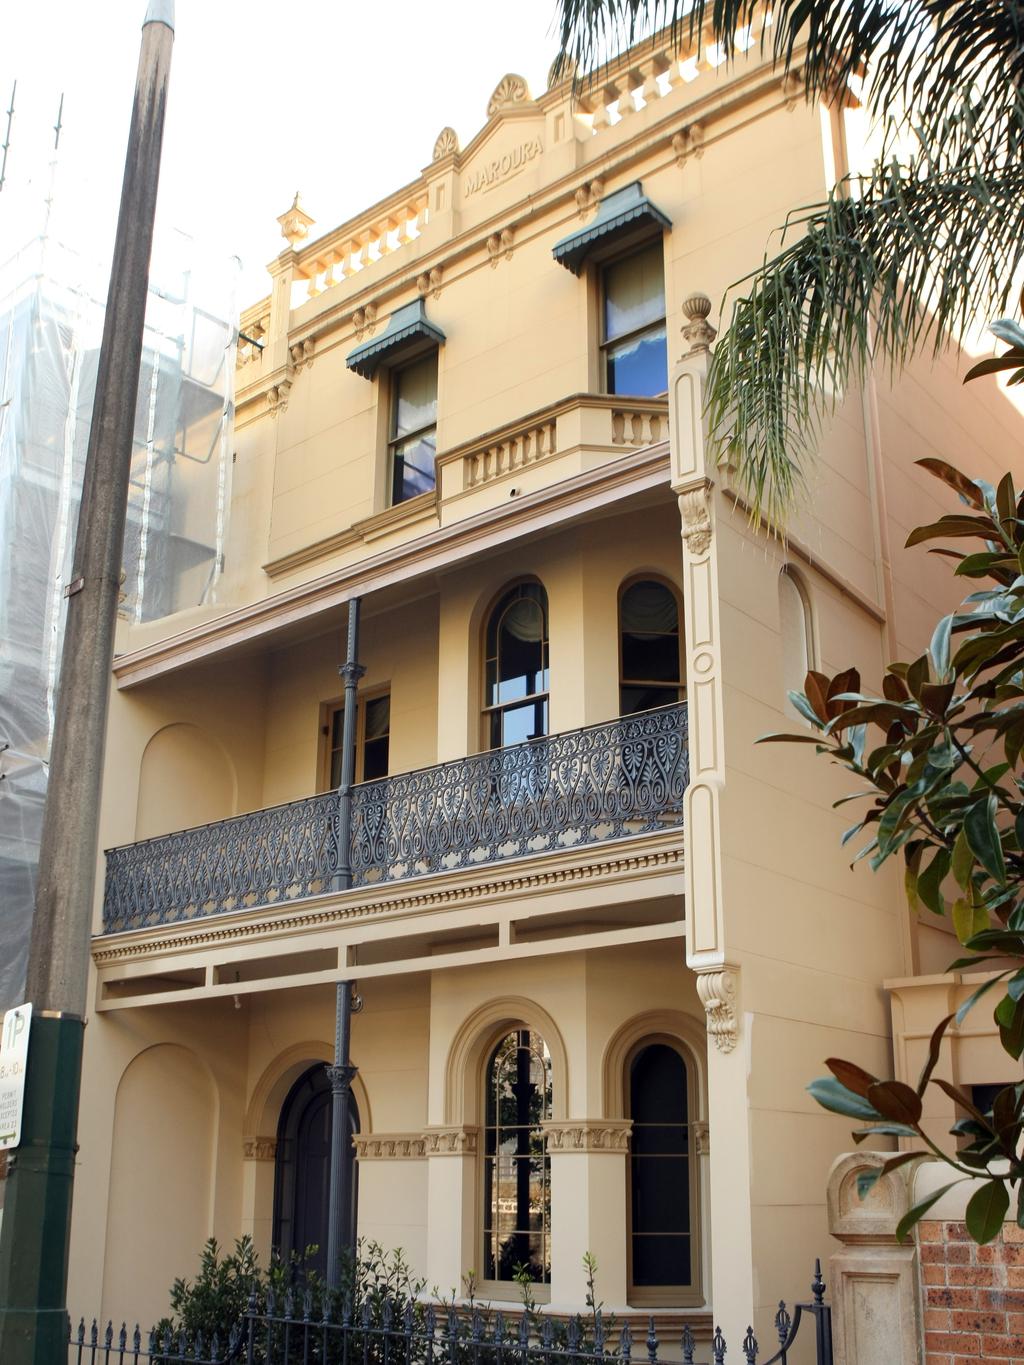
<point x="877" y="277"/>
<point x="920" y="54"/>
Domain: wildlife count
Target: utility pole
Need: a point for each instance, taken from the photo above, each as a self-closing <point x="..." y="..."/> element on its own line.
<point x="37" y="1213"/>
<point x="342" y="1073"/>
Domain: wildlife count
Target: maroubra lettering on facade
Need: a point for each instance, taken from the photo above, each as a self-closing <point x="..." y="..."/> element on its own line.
<point x="502" y="167"/>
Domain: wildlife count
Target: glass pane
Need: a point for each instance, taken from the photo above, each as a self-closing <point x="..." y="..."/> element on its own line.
<point x="520" y="651"/>
<point x="649" y="608"/>
<point x="661" y="1194"/>
<point x="650" y="658"/>
<point x="375" y="759"/>
<point x="634" y="292"/>
<point x="661" y="1260"/>
<point x="520" y="723"/>
<point x="414" y="467"/>
<point x="378" y="717"/>
<point x="633" y="699"/>
<point x="415" y="397"/>
<point x="657" y="1086"/>
<point x="639" y="367"/>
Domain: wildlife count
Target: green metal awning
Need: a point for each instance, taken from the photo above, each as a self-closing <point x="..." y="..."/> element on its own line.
<point x="620" y="214"/>
<point x="407" y="332"/>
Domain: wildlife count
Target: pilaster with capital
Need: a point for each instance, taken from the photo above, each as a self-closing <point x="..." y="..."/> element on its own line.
<point x="702" y="510"/>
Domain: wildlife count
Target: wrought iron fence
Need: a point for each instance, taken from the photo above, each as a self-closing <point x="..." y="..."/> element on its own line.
<point x="627" y="776"/>
<point x="296" y="1330"/>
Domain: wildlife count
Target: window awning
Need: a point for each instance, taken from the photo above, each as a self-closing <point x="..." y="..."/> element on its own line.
<point x="407" y="333"/>
<point x="618" y="216"/>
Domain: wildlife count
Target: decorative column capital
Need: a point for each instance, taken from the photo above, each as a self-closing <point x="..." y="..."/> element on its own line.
<point x="701" y="1137"/>
<point x="341" y="1078"/>
<point x="587" y="1135"/>
<point x="718" y="990"/>
<point x="350" y="672"/>
<point x="457" y="1140"/>
<point x="259" y="1148"/>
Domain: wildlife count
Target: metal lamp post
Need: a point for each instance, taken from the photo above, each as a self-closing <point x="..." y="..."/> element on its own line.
<point x="37" y="1214"/>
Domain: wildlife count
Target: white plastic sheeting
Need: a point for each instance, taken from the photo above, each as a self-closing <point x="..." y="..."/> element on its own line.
<point x="51" y="318"/>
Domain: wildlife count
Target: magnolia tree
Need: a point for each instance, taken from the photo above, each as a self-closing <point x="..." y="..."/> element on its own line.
<point x="938" y="756"/>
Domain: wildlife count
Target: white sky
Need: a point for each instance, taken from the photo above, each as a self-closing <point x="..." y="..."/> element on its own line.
<point x="341" y="101"/>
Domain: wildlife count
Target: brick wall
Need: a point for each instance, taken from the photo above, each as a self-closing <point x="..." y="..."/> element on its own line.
<point x="973" y="1296"/>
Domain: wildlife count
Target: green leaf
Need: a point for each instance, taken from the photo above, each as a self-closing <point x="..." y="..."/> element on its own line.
<point x="915" y="1214"/>
<point x="962" y="861"/>
<point x="982" y="835"/>
<point x="930" y="881"/>
<point x="986" y="1211"/>
<point x="832" y="1095"/>
<point x="1011" y="1026"/>
<point x="939" y="647"/>
<point x="968" y="919"/>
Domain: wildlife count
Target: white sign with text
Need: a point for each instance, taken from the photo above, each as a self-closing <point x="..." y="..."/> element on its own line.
<point x="13" y="1064"/>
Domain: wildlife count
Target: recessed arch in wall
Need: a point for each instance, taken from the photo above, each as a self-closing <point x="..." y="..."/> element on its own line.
<point x="186" y="777"/>
<point x="687" y="1029"/>
<point x="159" y="1206"/>
<point x="797" y="635"/>
<point x="472" y="1046"/>
<point x="271" y="1090"/>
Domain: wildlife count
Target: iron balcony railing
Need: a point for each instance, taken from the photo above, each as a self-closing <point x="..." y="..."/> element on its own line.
<point x="627" y="776"/>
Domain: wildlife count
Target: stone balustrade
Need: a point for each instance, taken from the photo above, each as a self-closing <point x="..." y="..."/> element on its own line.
<point x="338" y="258"/>
<point x="585" y="426"/>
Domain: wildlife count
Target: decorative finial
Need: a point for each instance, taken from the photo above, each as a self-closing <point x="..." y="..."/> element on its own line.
<point x="446" y="143"/>
<point x="295" y="224"/>
<point x="510" y="90"/>
<point x="698" y="331"/>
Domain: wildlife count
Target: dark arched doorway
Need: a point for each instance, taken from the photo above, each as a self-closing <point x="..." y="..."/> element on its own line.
<point x="303" y="1165"/>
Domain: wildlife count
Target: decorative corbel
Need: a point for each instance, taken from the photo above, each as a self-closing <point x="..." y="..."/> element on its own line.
<point x="793" y="88"/>
<point x="701" y="1137"/>
<point x="365" y="320"/>
<point x="695" y="513"/>
<point x="277" y="396"/>
<point x="430" y="284"/>
<point x="301" y="353"/>
<point x="588" y="196"/>
<point x="718" y="992"/>
<point x="689" y="141"/>
<point x="259" y="1148"/>
<point x="500" y="244"/>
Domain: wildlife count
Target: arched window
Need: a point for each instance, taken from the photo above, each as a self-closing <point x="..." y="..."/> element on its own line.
<point x="517" y="1176"/>
<point x="516" y="674"/>
<point x="662" y="1185"/>
<point x="302" y="1169"/>
<point x="650" y="649"/>
<point x="797" y="635"/>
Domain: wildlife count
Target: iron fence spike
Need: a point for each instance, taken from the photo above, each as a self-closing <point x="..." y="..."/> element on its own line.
<point x="818" y="1284"/>
<point x="307" y="1304"/>
<point x="718" y="1347"/>
<point x="81" y="1331"/>
<point x="137" y="1339"/>
<point x="652" y="1341"/>
<point x="750" y="1347"/>
<point x="215" y="1345"/>
<point x="94" y="1335"/>
<point x="688" y="1344"/>
<point x="626" y="1342"/>
<point x="122" y="1337"/>
<point x="783" y="1322"/>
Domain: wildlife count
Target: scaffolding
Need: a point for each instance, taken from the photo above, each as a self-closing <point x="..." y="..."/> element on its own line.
<point x="51" y="320"/>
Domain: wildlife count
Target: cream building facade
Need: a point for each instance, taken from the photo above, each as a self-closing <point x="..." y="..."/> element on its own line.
<point x="602" y="940"/>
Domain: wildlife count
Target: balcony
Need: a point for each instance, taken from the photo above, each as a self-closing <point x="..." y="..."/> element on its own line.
<point x="622" y="778"/>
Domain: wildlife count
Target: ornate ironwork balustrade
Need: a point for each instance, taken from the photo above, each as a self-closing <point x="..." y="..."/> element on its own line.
<point x="627" y="776"/>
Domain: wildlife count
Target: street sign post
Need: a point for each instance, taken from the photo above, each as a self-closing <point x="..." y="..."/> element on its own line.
<point x="13" y="1065"/>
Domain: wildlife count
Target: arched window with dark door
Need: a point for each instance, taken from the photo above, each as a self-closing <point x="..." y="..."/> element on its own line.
<point x="516" y="669"/>
<point x="517" y="1168"/>
<point x="662" y="1188"/>
<point x="302" y="1169"/>
<point x="650" y="647"/>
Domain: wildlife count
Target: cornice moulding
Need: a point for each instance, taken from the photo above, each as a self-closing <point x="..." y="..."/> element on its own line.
<point x="544" y="873"/>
